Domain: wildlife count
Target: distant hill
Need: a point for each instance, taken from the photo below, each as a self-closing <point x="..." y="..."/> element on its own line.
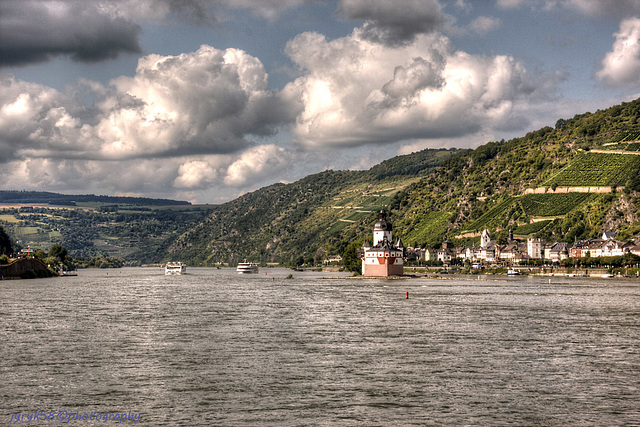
<point x="309" y="218"/>
<point x="542" y="184"/>
<point x="73" y="199"/>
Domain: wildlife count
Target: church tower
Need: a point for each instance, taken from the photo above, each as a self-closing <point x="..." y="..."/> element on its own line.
<point x="485" y="239"/>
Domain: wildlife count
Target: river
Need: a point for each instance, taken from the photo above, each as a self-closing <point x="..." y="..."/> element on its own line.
<point x="215" y="348"/>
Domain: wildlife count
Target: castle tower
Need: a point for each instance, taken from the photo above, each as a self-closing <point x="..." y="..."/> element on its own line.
<point x="382" y="230"/>
<point x="383" y="258"/>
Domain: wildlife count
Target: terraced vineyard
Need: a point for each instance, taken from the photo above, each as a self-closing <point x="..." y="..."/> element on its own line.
<point x="628" y="136"/>
<point x="534" y="227"/>
<point x="595" y="170"/>
<point x="431" y="224"/>
<point x="522" y="208"/>
<point x="493" y="217"/>
<point x="545" y="205"/>
<point x="623" y="146"/>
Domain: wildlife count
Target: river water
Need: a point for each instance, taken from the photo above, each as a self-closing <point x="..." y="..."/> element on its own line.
<point x="214" y="348"/>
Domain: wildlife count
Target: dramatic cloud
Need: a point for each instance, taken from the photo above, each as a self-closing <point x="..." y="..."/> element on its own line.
<point x="36" y="118"/>
<point x="394" y="22"/>
<point x="256" y="163"/>
<point x="226" y="175"/>
<point x="622" y="65"/>
<point x="356" y="91"/>
<point x="35" y="31"/>
<point x="206" y="102"/>
<point x="586" y="7"/>
<point x="195" y="174"/>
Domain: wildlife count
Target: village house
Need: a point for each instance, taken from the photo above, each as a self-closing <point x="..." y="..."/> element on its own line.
<point x="447" y="253"/>
<point x="513" y="252"/>
<point x="557" y="252"/>
<point x="614" y="248"/>
<point x="508" y="253"/>
<point x="634" y="248"/>
<point x="430" y="255"/>
<point x="414" y="254"/>
<point x="333" y="259"/>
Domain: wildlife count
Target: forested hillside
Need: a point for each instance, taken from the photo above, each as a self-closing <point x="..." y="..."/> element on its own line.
<point x="308" y="219"/>
<point x="7" y="196"/>
<point x="569" y="182"/>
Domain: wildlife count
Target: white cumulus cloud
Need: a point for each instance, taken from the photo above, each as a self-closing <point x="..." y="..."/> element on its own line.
<point x="194" y="174"/>
<point x="621" y="66"/>
<point x="257" y="163"/>
<point x="206" y="102"/>
<point x="356" y="91"/>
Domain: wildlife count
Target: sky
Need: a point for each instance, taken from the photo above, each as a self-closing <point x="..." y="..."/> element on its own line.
<point x="205" y="100"/>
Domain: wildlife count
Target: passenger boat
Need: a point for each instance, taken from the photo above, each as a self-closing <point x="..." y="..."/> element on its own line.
<point x="247" y="267"/>
<point x="174" y="268"/>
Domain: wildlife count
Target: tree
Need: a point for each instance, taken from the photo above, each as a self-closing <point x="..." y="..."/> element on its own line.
<point x="5" y="242"/>
<point x="58" y="251"/>
<point x="350" y="258"/>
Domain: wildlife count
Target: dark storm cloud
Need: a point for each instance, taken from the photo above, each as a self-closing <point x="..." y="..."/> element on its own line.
<point x="191" y="10"/>
<point x="394" y="22"/>
<point x="36" y="31"/>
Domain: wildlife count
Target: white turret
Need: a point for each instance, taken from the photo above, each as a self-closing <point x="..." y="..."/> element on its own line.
<point x="382" y="230"/>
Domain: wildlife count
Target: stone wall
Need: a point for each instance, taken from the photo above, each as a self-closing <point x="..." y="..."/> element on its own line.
<point x="25" y="268"/>
<point x="558" y="190"/>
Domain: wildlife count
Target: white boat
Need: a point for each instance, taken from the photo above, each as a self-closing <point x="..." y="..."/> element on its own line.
<point x="607" y="276"/>
<point x="247" y="267"/>
<point x="174" y="268"/>
<point x="513" y="272"/>
<point x="65" y="273"/>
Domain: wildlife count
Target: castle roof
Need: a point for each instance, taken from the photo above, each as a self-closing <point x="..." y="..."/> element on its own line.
<point x="382" y="224"/>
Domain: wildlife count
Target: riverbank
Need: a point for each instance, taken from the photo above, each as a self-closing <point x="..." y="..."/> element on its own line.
<point x="527" y="271"/>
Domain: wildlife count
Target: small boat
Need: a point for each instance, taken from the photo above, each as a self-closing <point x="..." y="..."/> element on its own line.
<point x="607" y="276"/>
<point x="174" y="268"/>
<point x="66" y="273"/>
<point x="513" y="272"/>
<point x="247" y="267"/>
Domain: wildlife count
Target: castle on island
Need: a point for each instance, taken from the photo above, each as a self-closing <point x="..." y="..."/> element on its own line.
<point x="384" y="258"/>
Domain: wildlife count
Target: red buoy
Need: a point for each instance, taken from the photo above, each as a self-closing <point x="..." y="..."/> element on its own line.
<point x="407" y="295"/>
